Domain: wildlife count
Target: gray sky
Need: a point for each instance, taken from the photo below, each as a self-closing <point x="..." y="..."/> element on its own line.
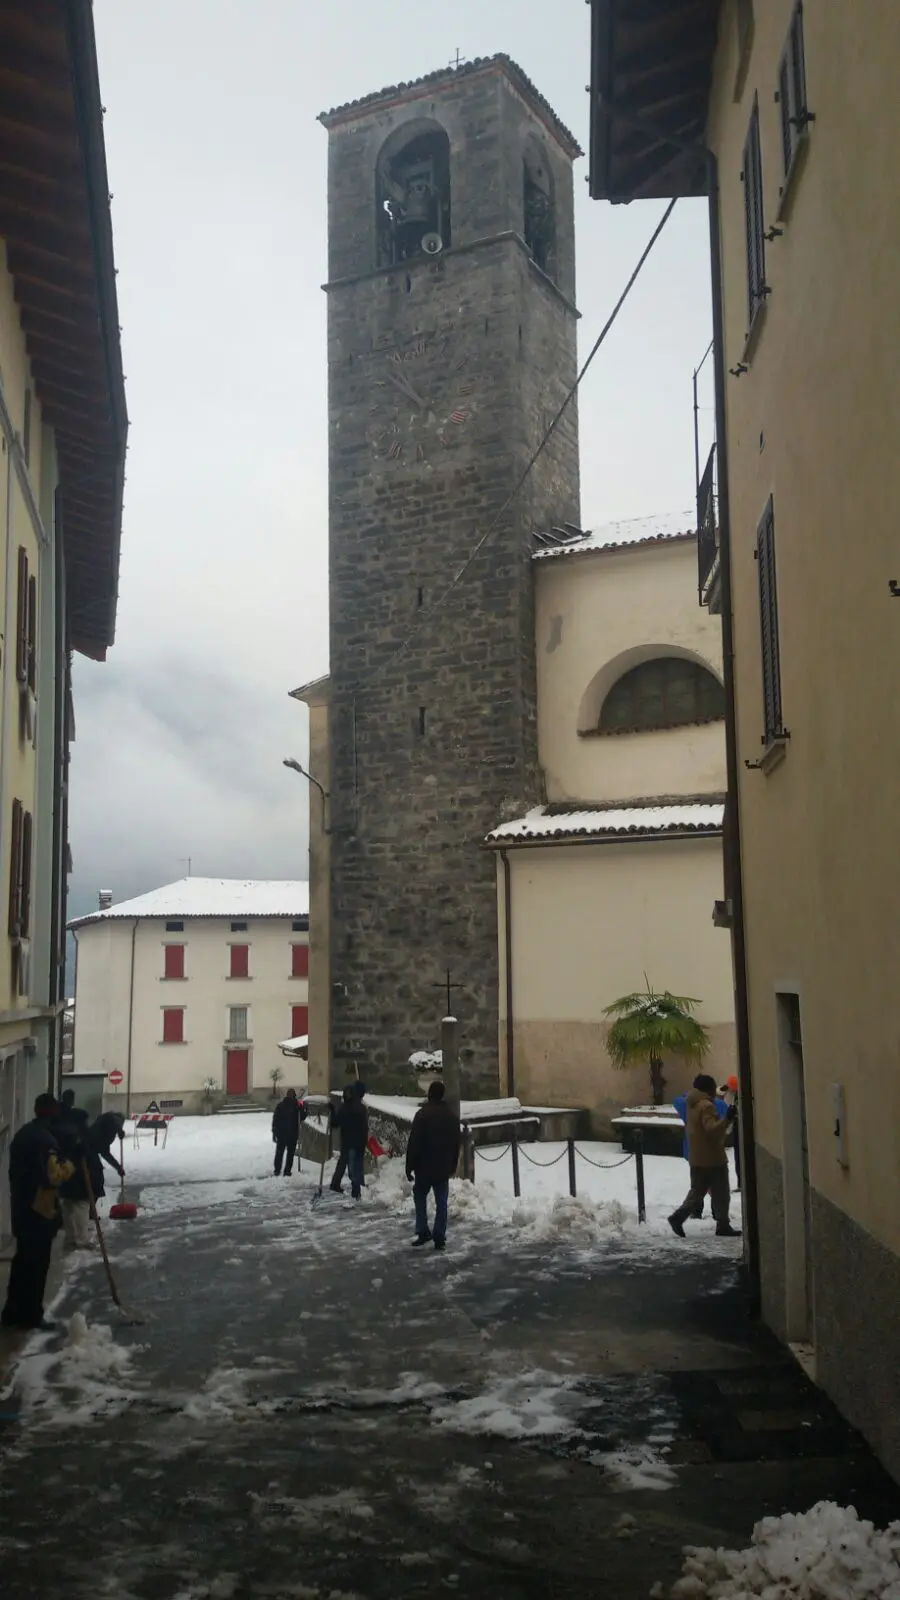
<point x="217" y="166"/>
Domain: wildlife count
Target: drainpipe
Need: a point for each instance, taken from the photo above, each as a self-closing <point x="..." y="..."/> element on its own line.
<point x="134" y="928"/>
<point x="510" y="1021"/>
<point x="59" y="830"/>
<point x="732" y="840"/>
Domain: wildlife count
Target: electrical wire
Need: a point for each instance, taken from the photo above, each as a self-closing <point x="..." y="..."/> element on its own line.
<point x="427" y="612"/>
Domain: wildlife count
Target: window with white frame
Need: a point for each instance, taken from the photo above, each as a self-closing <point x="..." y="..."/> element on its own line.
<point x="238" y="1022"/>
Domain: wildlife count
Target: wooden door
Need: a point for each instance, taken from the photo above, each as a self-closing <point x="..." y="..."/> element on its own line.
<point x="237" y="1071"/>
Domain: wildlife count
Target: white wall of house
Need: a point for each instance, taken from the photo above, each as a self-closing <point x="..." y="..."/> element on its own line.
<point x="599" y="613"/>
<point x="588" y="922"/>
<point x="207" y="996"/>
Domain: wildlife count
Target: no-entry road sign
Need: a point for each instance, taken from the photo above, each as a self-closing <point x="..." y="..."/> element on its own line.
<point x="115" y="1077"/>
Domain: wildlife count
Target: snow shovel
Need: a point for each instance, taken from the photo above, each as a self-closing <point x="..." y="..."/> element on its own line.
<point x="123" y="1210"/>
<point x="129" y="1316"/>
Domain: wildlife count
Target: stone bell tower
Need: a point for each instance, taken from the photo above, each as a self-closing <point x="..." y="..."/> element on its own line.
<point x="451" y="344"/>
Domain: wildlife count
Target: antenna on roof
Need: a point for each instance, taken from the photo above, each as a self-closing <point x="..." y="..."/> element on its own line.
<point x="188" y="860"/>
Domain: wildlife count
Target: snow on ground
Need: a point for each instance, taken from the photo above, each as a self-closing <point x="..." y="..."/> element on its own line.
<point x="210" y="1160"/>
<point x="827" y="1553"/>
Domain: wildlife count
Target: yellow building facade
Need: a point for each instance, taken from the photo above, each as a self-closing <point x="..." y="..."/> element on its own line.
<point x="63" y="426"/>
<point x="787" y="118"/>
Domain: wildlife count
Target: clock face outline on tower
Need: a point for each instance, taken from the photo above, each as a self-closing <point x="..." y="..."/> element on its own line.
<point x="424" y="401"/>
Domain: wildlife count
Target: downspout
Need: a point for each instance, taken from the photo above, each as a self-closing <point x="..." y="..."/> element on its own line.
<point x="134" y="928"/>
<point x="732" y="837"/>
<point x="510" y="1021"/>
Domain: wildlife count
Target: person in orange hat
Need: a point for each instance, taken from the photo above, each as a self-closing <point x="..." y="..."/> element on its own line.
<point x="729" y="1093"/>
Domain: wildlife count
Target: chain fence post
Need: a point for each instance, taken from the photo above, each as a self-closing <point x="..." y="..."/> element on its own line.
<point x="514" y="1147"/>
<point x="468" y="1164"/>
<point x="639" y="1169"/>
<point x="572" y="1185"/>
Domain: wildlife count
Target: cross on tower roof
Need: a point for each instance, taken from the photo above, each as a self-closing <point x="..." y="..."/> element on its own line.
<point x="457" y="60"/>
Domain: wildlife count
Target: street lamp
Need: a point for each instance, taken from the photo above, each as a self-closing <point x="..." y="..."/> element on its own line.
<point x="296" y="766"/>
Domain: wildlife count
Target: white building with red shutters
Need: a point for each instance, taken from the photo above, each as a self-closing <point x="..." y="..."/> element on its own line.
<point x="193" y="984"/>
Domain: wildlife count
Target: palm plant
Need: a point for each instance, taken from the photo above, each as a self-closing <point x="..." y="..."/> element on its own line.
<point x="649" y="1026"/>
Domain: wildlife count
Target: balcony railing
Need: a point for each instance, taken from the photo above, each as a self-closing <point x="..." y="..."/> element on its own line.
<point x="708" y="535"/>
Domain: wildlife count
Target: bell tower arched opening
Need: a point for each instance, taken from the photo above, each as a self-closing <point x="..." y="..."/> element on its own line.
<point x="412" y="193"/>
<point x="539" y="207"/>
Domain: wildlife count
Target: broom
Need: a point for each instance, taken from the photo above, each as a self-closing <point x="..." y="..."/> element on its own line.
<point x="129" y="1316"/>
<point x="123" y="1210"/>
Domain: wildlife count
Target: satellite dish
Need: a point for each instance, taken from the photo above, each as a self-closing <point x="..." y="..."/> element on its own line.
<point x="432" y="244"/>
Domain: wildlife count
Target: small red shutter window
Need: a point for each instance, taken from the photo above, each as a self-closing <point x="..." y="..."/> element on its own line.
<point x="299" y="960"/>
<point x="299" y="1021"/>
<point x="240" y="961"/>
<point x="174" y="958"/>
<point x="173" y="1026"/>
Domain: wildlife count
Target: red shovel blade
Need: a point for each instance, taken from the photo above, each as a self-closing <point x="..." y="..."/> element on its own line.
<point x="123" y="1211"/>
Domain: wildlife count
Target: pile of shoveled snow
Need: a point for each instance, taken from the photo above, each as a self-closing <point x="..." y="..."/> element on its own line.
<point x="580" y="1221"/>
<point x="91" y="1351"/>
<point x="828" y="1553"/>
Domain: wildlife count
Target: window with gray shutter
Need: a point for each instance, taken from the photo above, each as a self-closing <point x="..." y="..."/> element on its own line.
<point x="753" y="216"/>
<point x="768" y="623"/>
<point x="795" y="114"/>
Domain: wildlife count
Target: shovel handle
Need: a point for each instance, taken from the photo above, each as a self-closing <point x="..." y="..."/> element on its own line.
<point x="102" y="1242"/>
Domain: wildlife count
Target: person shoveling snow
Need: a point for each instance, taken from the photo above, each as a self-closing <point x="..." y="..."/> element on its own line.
<point x="828" y="1553"/>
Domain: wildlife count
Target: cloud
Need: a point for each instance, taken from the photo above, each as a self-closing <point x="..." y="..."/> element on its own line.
<point x="218" y="170"/>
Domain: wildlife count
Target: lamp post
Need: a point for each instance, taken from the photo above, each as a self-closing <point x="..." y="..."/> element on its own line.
<point x="297" y="766"/>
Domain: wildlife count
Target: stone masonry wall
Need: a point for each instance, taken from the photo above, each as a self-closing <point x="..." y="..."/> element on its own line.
<point x="433" y="711"/>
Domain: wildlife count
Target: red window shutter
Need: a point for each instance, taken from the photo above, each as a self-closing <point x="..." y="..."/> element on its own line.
<point x="173" y="1026"/>
<point x="31" y="647"/>
<point x="240" y="961"/>
<point x="299" y="1021"/>
<point x="299" y="960"/>
<point x="15" y="871"/>
<point x="174" y="959"/>
<point x="22" y="616"/>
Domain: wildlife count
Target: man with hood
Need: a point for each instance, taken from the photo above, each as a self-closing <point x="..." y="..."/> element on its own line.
<point x="104" y="1132"/>
<point x="36" y="1173"/>
<point x="286" y="1120"/>
<point x="706" y="1136"/>
<point x="680" y="1104"/>
<point x="352" y="1118"/>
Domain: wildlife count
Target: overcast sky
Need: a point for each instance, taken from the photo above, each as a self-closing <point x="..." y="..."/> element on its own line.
<point x="217" y="166"/>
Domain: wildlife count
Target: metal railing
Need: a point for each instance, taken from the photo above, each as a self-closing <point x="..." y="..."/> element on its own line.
<point x="708" y="530"/>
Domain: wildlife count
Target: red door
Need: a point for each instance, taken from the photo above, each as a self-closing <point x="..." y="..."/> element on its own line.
<point x="237" y="1071"/>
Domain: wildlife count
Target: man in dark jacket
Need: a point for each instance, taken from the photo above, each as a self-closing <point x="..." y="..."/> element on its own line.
<point x="286" y="1120"/>
<point x="104" y="1132"/>
<point x="352" y="1118"/>
<point x="36" y="1172"/>
<point x="432" y="1157"/>
<point x="71" y="1130"/>
<point x="706" y="1136"/>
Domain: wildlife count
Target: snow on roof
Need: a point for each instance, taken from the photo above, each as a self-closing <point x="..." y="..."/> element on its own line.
<point x="293" y="1047"/>
<point x="212" y="897"/>
<point x="667" y="528"/>
<point x="645" y="821"/>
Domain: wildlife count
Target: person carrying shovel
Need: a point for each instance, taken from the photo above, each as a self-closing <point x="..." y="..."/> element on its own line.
<point x="104" y="1132"/>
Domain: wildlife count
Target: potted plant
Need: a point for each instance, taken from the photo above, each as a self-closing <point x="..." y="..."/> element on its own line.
<point x="651" y="1025"/>
<point x="210" y="1089"/>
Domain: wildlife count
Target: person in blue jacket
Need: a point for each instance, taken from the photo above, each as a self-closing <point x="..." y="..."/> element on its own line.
<point x="680" y="1104"/>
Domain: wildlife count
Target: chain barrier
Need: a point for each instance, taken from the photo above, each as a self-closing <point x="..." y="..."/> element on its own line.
<point x="563" y="1152"/>
<point x="605" y="1166"/>
<point x="482" y="1157"/>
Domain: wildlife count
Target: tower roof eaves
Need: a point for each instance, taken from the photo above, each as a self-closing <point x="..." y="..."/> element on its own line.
<point x="443" y="79"/>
